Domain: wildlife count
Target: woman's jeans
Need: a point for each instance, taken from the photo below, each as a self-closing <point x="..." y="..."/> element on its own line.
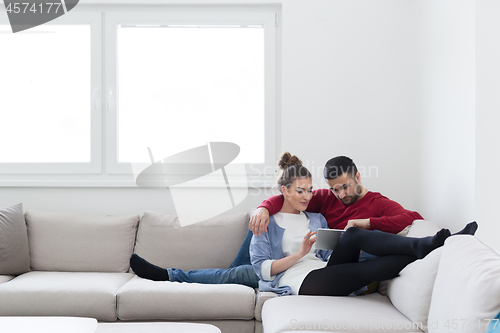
<point x="240" y="271"/>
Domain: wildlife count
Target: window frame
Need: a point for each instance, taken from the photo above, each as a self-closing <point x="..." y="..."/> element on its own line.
<point x="104" y="169"/>
<point x="95" y="164"/>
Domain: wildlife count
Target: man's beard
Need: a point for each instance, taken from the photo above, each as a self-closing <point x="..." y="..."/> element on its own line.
<point x="350" y="199"/>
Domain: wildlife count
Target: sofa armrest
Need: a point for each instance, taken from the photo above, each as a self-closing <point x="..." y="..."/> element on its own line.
<point x="262" y="296"/>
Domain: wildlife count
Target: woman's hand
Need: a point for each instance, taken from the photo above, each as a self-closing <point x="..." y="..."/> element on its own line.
<point x="307" y="243"/>
<point x="283" y="264"/>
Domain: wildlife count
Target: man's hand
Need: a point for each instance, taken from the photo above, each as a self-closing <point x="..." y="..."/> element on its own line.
<point x="259" y="221"/>
<point x="360" y="223"/>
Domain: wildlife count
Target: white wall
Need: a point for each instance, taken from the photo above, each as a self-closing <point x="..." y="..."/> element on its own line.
<point x="447" y="157"/>
<point x="488" y="120"/>
<point x="350" y="88"/>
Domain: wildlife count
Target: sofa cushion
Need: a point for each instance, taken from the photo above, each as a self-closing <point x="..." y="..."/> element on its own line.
<point x="142" y="299"/>
<point x="62" y="294"/>
<point x="5" y="278"/>
<point x="80" y="243"/>
<point x="411" y="291"/>
<point x="466" y="292"/>
<point x="14" y="249"/>
<point x="162" y="241"/>
<point x="369" y="313"/>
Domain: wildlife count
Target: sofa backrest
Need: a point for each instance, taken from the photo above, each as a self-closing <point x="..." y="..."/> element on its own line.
<point x="212" y="243"/>
<point x="80" y="243"/>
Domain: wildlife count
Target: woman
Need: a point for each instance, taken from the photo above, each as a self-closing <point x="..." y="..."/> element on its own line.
<point x="287" y="262"/>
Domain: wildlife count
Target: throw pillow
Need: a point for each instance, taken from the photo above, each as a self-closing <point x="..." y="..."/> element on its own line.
<point x="411" y="291"/>
<point x="72" y="242"/>
<point x="466" y="293"/>
<point x="14" y="249"/>
<point x="419" y="228"/>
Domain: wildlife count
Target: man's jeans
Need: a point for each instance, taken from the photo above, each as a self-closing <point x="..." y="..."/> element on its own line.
<point x="240" y="271"/>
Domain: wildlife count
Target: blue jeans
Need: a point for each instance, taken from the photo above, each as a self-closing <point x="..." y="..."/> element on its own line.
<point x="243" y="274"/>
<point x="240" y="271"/>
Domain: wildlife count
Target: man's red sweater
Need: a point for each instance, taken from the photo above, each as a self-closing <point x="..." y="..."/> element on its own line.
<point x="384" y="214"/>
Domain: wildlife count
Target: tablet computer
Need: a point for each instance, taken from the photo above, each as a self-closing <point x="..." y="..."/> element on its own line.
<point x="327" y="238"/>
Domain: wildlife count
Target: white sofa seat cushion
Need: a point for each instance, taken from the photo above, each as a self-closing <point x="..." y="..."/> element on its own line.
<point x="67" y="242"/>
<point x="142" y="299"/>
<point x="370" y="313"/>
<point x="5" y="278"/>
<point x="467" y="288"/>
<point x="62" y="294"/>
<point x="212" y="243"/>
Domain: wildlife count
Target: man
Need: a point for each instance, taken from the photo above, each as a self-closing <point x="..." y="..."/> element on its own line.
<point x="346" y="204"/>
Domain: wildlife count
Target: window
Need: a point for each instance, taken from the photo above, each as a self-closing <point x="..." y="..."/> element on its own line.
<point x="161" y="79"/>
<point x="45" y="93"/>
<point x="197" y="76"/>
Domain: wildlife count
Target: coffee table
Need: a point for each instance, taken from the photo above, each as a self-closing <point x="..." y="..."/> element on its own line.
<point x="48" y="324"/>
<point x="156" y="327"/>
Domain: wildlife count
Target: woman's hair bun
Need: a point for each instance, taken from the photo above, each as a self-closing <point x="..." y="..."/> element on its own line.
<point x="287" y="160"/>
<point x="291" y="169"/>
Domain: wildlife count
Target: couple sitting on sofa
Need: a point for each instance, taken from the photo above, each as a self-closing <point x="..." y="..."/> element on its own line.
<point x="282" y="251"/>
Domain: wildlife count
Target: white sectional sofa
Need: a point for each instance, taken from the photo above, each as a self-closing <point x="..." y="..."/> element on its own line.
<point x="456" y="288"/>
<point x="77" y="265"/>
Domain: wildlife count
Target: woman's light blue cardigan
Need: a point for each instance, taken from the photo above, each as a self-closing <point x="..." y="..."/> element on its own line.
<point x="268" y="247"/>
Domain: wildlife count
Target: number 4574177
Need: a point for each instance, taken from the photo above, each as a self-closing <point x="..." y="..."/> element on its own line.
<point x="28" y="7"/>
